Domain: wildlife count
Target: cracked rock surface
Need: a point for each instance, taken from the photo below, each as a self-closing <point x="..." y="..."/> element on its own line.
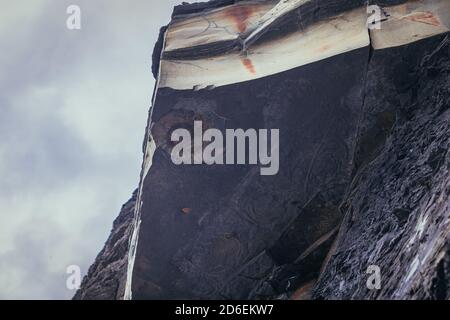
<point x="397" y="209"/>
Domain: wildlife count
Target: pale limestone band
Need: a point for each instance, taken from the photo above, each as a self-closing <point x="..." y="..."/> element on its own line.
<point x="403" y="24"/>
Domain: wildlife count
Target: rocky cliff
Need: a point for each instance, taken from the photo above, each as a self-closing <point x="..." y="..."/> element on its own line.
<point x="363" y="178"/>
<point x="106" y="278"/>
<point x="397" y="208"/>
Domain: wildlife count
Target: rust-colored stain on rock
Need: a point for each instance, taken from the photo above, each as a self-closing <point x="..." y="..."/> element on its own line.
<point x="424" y="17"/>
<point x="240" y="15"/>
<point x="324" y="48"/>
<point x="248" y="64"/>
<point x="186" y="210"/>
<point x="304" y="292"/>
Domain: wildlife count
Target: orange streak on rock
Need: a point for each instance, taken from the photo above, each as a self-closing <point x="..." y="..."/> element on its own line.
<point x="324" y="48"/>
<point x="248" y="64"/>
<point x="424" y="17"/>
<point x="186" y="210"/>
<point x="304" y="292"/>
<point x="240" y="15"/>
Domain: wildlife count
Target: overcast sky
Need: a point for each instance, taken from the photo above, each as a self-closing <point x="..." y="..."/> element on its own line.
<point x="73" y="109"/>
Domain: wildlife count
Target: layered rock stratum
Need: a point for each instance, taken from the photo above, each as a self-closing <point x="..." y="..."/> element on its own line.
<point x="363" y="181"/>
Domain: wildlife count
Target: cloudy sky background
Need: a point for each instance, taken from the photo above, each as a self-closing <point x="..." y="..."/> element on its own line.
<point x="73" y="109"/>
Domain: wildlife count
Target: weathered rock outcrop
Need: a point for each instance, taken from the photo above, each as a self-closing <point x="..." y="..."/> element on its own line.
<point x="106" y="278"/>
<point x="397" y="209"/>
<point x="363" y="179"/>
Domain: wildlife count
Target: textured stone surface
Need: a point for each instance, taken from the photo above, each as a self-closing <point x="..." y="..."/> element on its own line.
<point x="397" y="210"/>
<point x="107" y="276"/>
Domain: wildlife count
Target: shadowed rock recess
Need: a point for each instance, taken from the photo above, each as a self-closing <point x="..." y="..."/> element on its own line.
<point x="364" y="157"/>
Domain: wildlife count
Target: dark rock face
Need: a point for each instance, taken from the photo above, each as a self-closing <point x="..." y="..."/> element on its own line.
<point x="397" y="209"/>
<point x="241" y="226"/>
<point x="107" y="276"/>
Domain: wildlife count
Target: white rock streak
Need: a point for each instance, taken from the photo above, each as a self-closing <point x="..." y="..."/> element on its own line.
<point x="217" y="25"/>
<point x="147" y="163"/>
<point x="412" y="21"/>
<point x="281" y="9"/>
<point x="322" y="40"/>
